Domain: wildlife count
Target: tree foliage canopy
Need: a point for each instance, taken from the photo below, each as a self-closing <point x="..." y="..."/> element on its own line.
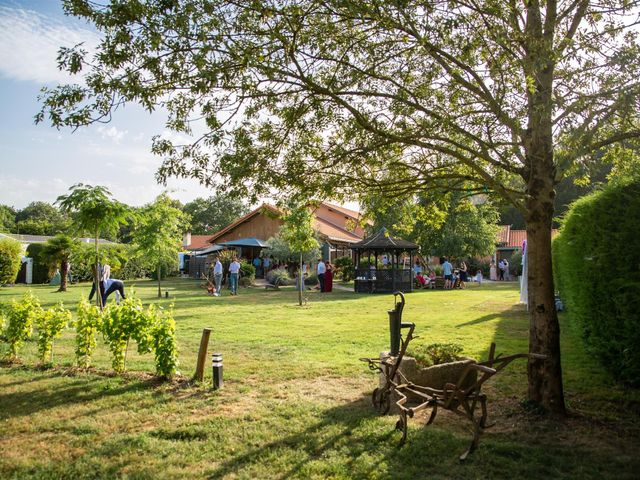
<point x="208" y="215"/>
<point x="158" y="233"/>
<point x="366" y="93"/>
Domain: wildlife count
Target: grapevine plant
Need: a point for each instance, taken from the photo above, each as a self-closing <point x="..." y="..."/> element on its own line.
<point x="124" y="322"/>
<point x="20" y="316"/>
<point x="50" y="325"/>
<point x="88" y="323"/>
<point x="164" y="343"/>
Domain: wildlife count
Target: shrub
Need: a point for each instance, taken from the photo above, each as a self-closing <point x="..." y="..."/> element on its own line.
<point x="344" y="268"/>
<point x="116" y="256"/>
<point x="279" y="275"/>
<point x="88" y="323"/>
<point x="515" y="263"/>
<point x="164" y="342"/>
<point x="50" y="325"/>
<point x="437" y="353"/>
<point x="311" y="280"/>
<point x="474" y="265"/>
<point x="20" y="316"/>
<point x="596" y="264"/>
<point x="134" y="268"/>
<point x="10" y="260"/>
<point x="247" y="271"/>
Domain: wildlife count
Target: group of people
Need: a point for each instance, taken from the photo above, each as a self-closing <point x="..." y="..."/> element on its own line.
<point x="325" y="276"/>
<point x="501" y="272"/>
<point x="454" y="277"/>
<point x="215" y="287"/>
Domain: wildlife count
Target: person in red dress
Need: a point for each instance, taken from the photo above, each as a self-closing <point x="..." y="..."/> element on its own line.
<point x="328" y="278"/>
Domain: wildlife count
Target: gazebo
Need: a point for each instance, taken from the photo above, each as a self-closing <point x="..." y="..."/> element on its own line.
<point x="373" y="274"/>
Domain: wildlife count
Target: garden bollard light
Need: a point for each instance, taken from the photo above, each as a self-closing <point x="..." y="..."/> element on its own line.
<point x="216" y="360"/>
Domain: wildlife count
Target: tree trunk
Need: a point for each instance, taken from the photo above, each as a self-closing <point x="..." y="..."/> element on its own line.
<point x="545" y="376"/>
<point x="96" y="277"/>
<point x="159" y="288"/>
<point x="64" y="271"/>
<point x="301" y="280"/>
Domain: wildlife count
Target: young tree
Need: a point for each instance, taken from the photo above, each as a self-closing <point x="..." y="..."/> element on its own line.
<point x="158" y="234"/>
<point x="58" y="251"/>
<point x="298" y="232"/>
<point x="94" y="211"/>
<point x="340" y="97"/>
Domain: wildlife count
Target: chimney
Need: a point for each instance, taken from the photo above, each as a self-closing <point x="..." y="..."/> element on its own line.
<point x="186" y="239"/>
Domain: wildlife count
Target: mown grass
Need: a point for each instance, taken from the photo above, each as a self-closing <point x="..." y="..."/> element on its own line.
<point x="296" y="399"/>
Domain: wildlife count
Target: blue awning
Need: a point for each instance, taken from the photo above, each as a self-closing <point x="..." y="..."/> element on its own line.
<point x="208" y="250"/>
<point x="246" y="242"/>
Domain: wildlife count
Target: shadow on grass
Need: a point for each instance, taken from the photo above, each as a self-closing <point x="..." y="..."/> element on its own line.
<point x="349" y="441"/>
<point x="75" y="392"/>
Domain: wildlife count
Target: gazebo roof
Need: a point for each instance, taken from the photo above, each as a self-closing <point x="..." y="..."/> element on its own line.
<point x="383" y="241"/>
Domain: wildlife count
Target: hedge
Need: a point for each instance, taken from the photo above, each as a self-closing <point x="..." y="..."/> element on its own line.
<point x="10" y="260"/>
<point x="597" y="272"/>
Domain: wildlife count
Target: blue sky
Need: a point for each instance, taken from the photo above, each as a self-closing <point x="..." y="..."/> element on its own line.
<point x="38" y="162"/>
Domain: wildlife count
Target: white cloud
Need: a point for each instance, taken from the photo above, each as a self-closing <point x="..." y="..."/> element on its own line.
<point x="112" y="133"/>
<point x="29" y="43"/>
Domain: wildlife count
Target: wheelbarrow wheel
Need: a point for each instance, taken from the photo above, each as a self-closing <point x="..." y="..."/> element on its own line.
<point x="381" y="400"/>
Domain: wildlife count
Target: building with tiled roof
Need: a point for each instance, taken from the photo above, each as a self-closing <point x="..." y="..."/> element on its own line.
<point x="508" y="241"/>
<point x="338" y="227"/>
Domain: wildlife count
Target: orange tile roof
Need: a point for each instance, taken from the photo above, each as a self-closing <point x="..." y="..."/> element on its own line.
<point x="199" y="241"/>
<point x="508" y="238"/>
<point x="516" y="238"/>
<point x="503" y="234"/>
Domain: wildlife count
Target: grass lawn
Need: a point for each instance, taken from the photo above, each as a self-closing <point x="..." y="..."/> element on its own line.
<point x="295" y="403"/>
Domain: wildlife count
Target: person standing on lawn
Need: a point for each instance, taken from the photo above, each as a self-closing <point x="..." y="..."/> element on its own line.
<point x="447" y="271"/>
<point x="322" y="269"/>
<point x="217" y="276"/>
<point x="328" y="278"/>
<point x="234" y="273"/>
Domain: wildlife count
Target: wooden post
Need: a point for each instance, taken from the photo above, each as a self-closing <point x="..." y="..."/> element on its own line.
<point x="202" y="355"/>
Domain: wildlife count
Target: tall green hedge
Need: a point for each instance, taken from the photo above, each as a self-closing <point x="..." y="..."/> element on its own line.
<point x="597" y="270"/>
<point x="10" y="260"/>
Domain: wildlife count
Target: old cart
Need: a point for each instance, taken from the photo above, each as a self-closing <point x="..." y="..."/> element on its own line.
<point x="462" y="396"/>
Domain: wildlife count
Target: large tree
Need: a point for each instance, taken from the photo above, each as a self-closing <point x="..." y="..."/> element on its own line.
<point x="208" y="215"/>
<point x="336" y="97"/>
<point x="41" y="218"/>
<point x="7" y="218"/>
<point x="450" y="224"/>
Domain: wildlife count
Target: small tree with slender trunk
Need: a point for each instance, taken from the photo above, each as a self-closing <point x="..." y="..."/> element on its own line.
<point x="158" y="233"/>
<point x="58" y="250"/>
<point x="298" y="232"/>
<point x="94" y="211"/>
